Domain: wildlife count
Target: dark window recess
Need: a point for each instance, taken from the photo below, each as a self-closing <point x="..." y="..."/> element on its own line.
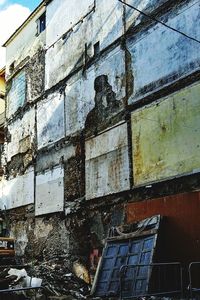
<point x="96" y="48"/>
<point x="42" y="23"/>
<point x="127" y="249"/>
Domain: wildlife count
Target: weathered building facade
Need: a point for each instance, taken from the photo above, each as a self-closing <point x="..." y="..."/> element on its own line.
<point x="102" y="126"/>
<point x="2" y="111"/>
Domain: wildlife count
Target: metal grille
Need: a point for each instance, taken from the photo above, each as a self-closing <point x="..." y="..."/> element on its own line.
<point x="164" y="279"/>
<point x="117" y="254"/>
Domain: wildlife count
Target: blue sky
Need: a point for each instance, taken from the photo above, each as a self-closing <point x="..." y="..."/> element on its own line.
<point x="12" y="14"/>
<point x="31" y="4"/>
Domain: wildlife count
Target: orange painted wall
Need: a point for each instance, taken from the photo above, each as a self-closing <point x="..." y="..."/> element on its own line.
<point x="181" y="228"/>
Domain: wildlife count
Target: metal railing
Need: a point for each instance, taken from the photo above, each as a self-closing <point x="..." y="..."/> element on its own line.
<point x="162" y="279"/>
<point x="11" y="291"/>
<point x="194" y="278"/>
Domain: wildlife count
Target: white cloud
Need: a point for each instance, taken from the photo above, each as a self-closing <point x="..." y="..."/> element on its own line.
<point x="2" y="2"/>
<point x="10" y="19"/>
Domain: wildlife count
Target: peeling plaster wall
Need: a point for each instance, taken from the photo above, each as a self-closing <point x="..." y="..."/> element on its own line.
<point x="61" y="60"/>
<point x="50" y="119"/>
<point x="79" y="100"/>
<point x="67" y="14"/>
<point x="80" y="90"/>
<point x="108" y="22"/>
<point x="134" y="18"/>
<point x="49" y="158"/>
<point x="165" y="137"/>
<point x="83" y="145"/>
<point x="35" y="75"/>
<point x="112" y="64"/>
<point x="21" y="135"/>
<point x="18" y="191"/>
<point x="19" y="231"/>
<point x="25" y="44"/>
<point x="49" y="192"/>
<point x="107" y="163"/>
<point x="104" y="25"/>
<point x="161" y="56"/>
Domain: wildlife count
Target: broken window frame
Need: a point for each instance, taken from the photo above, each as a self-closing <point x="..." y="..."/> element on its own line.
<point x="11" y="100"/>
<point x="41" y="23"/>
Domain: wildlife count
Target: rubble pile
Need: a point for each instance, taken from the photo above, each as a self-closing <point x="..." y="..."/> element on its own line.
<point x="59" y="281"/>
<point x="12" y="279"/>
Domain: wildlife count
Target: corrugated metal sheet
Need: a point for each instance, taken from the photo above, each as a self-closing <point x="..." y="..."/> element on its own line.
<point x="107" y="163"/>
<point x="49" y="192"/>
<point x="156" y="64"/>
<point x="181" y="228"/>
<point x="50" y="120"/>
<point x="18" y="191"/>
<point x="22" y="135"/>
<point x="166" y="137"/>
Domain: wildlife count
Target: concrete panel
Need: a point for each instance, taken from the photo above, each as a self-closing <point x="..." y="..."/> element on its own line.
<point x="80" y="92"/>
<point x="108" y="22"/>
<point x="107" y="163"/>
<point x="133" y="18"/>
<point x="47" y="159"/>
<point x="49" y="192"/>
<point x="79" y="101"/>
<point x="67" y="14"/>
<point x="63" y="58"/>
<point x="103" y="26"/>
<point x="50" y="120"/>
<point x="18" y="191"/>
<point x="157" y="64"/>
<point x="165" y="137"/>
<point x="22" y="135"/>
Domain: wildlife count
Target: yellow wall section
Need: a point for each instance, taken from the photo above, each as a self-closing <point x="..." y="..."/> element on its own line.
<point x="166" y="137"/>
<point x="2" y="85"/>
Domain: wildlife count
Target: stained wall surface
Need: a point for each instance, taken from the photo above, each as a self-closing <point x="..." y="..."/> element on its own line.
<point x="25" y="44"/>
<point x="49" y="192"/>
<point x="157" y="64"/>
<point x="83" y="29"/>
<point x="18" y="191"/>
<point x="50" y="119"/>
<point x="107" y="163"/>
<point x="165" y="137"/>
<point x="21" y="135"/>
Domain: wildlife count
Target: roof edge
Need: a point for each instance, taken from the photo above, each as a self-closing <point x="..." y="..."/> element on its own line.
<point x="30" y="17"/>
<point x="2" y="71"/>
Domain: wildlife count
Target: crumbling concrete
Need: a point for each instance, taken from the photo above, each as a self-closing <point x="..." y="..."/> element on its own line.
<point x="74" y="129"/>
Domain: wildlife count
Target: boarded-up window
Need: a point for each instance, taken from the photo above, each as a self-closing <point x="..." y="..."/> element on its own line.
<point x="17" y="93"/>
